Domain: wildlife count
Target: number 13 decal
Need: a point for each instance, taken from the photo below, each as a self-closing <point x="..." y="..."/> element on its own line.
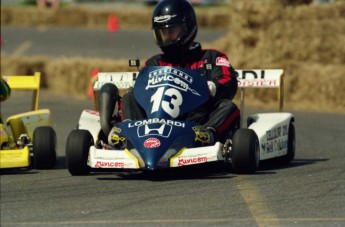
<point x="171" y="107"/>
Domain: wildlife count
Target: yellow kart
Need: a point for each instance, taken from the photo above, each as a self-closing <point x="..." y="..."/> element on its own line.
<point x="27" y="140"/>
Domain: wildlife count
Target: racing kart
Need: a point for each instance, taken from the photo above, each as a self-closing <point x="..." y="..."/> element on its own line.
<point x="27" y="139"/>
<point x="163" y="141"/>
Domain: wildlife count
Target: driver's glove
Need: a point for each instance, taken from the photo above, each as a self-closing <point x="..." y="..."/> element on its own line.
<point x="212" y="88"/>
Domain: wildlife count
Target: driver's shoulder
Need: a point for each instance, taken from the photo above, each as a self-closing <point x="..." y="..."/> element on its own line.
<point x="214" y="53"/>
<point x="153" y="60"/>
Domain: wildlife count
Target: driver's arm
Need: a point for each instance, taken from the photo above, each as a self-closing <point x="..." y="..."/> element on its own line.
<point x="5" y="90"/>
<point x="224" y="76"/>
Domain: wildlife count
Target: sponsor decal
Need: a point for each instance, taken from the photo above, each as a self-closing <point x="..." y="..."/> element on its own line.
<point x="251" y="74"/>
<point x="201" y="134"/>
<point x="116" y="140"/>
<point x="152" y="143"/>
<point x="277" y="139"/>
<point x="116" y="129"/>
<point x="257" y="83"/>
<point x="181" y="80"/>
<point x="92" y="112"/>
<point x="188" y="161"/>
<point x="275" y="145"/>
<point x="163" y="18"/>
<point x="277" y="132"/>
<point x="156" y="120"/>
<point x="175" y="72"/>
<point x="103" y="164"/>
<point x="222" y="62"/>
<point x="119" y="84"/>
<point x="156" y="129"/>
<point x="12" y="154"/>
<point x="258" y="78"/>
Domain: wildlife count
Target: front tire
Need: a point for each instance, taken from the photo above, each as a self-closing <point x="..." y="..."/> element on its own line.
<point x="44" y="148"/>
<point x="245" y="153"/>
<point x="77" y="150"/>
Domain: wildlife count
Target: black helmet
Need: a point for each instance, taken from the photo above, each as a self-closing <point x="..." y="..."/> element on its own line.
<point x="174" y="25"/>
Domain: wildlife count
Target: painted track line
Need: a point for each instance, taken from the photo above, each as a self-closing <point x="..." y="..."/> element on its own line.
<point x="22" y="49"/>
<point x="255" y="202"/>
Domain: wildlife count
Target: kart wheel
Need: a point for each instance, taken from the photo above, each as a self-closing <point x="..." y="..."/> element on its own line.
<point x="77" y="150"/>
<point x="291" y="146"/>
<point x="44" y="148"/>
<point x="245" y="153"/>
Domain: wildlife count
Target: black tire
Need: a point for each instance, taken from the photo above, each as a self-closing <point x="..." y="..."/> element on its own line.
<point x="44" y="148"/>
<point x="77" y="150"/>
<point x="245" y="154"/>
<point x="108" y="96"/>
<point x="286" y="159"/>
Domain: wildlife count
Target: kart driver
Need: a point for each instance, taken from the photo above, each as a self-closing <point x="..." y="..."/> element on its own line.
<point x="5" y="92"/>
<point x="174" y="25"/>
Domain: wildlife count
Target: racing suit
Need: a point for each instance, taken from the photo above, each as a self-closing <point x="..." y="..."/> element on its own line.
<point x="5" y="92"/>
<point x="219" y="113"/>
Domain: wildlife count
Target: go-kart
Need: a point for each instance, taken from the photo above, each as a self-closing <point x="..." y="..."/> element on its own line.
<point x="27" y="139"/>
<point x="163" y="141"/>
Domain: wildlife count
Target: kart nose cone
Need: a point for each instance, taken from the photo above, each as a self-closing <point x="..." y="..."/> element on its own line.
<point x="151" y="165"/>
<point x="152" y="162"/>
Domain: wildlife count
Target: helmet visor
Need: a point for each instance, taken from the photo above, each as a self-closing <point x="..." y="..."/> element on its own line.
<point x="165" y="36"/>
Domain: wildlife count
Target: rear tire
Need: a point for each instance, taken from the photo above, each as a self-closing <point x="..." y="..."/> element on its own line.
<point x="44" y="148"/>
<point x="77" y="150"/>
<point x="245" y="153"/>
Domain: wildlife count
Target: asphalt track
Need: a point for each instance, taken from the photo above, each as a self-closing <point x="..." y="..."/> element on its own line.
<point x="308" y="192"/>
<point x="84" y="42"/>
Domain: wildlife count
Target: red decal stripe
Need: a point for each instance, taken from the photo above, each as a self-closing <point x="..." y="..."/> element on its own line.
<point x="226" y="75"/>
<point x="228" y="121"/>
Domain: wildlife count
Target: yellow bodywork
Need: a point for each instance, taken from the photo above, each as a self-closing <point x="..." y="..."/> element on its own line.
<point x="30" y="82"/>
<point x="10" y="156"/>
<point x="4" y="138"/>
<point x="15" y="158"/>
<point x="25" y="123"/>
